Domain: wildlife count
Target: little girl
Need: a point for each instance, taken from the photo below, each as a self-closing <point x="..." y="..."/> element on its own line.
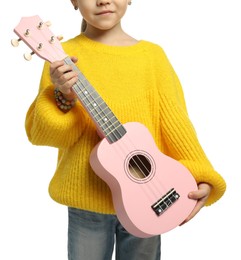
<point x="137" y="81"/>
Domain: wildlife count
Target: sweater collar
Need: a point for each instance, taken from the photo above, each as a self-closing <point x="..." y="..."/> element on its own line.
<point x="104" y="48"/>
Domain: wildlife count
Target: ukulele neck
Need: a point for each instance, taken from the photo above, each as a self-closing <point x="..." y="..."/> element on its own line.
<point x="105" y="120"/>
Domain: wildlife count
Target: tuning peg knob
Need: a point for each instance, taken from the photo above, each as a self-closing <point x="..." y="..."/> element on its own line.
<point x="60" y="37"/>
<point x="15" y="42"/>
<point x="28" y="56"/>
<point x="48" y="23"/>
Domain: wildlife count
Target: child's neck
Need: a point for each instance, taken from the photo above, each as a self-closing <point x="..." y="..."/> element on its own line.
<point x="114" y="37"/>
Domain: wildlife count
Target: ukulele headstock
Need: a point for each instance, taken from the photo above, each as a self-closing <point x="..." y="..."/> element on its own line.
<point x="39" y="38"/>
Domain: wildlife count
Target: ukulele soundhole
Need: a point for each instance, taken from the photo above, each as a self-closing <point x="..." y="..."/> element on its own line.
<point x="140" y="166"/>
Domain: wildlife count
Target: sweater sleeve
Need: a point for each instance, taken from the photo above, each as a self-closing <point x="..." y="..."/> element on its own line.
<point x="180" y="136"/>
<point x="46" y="124"/>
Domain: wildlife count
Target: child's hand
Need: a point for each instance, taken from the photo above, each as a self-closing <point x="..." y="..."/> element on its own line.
<point x="201" y="195"/>
<point x="63" y="77"/>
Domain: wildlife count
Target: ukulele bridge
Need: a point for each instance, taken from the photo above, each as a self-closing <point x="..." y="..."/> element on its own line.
<point x="165" y="202"/>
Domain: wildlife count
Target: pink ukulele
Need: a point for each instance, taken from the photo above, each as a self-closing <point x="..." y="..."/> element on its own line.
<point x="149" y="189"/>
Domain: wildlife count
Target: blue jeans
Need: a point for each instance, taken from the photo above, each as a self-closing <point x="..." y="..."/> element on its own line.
<point x="91" y="236"/>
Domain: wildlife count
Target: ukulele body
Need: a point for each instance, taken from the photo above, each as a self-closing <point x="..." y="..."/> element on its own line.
<point x="149" y="189"/>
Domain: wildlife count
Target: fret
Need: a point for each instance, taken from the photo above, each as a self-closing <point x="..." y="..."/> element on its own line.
<point x="109" y="127"/>
<point x="99" y="111"/>
<point x="108" y="119"/>
<point x="98" y="106"/>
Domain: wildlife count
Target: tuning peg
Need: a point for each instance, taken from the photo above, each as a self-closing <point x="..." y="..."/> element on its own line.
<point x="28" y="56"/>
<point x="52" y="39"/>
<point x="60" y="37"/>
<point x="27" y="33"/>
<point x="15" y="42"/>
<point x="48" y="23"/>
<point x="40" y="25"/>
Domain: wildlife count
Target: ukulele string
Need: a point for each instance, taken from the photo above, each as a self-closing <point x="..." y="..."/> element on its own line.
<point x="135" y="162"/>
<point x="88" y="95"/>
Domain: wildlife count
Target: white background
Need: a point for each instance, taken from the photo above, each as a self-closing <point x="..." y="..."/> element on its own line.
<point x="202" y="41"/>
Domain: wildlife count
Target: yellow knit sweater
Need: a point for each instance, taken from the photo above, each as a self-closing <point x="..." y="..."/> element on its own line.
<point x="138" y="84"/>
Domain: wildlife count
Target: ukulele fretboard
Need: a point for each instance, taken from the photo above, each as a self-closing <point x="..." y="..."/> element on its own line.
<point x="99" y="111"/>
